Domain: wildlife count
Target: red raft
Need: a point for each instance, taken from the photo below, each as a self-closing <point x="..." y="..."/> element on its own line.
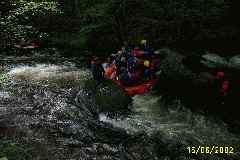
<point x="138" y="89"/>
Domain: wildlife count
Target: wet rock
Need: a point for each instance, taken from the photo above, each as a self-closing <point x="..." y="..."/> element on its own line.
<point x="39" y="108"/>
<point x="78" y="132"/>
<point x="172" y="64"/>
<point x="235" y="62"/>
<point x="213" y="60"/>
<point x="175" y="77"/>
<point x="108" y="96"/>
<point x="69" y="141"/>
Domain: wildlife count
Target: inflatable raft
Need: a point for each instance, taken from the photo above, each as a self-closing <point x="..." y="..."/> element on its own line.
<point x="140" y="87"/>
<point x="137" y="89"/>
<point x="132" y="90"/>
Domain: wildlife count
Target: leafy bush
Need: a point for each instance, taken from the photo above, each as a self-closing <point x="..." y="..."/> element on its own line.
<point x="13" y="151"/>
<point x="18" y="22"/>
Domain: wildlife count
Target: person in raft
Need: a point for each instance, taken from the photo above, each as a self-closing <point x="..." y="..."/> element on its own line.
<point x="97" y="72"/>
<point x="146" y="48"/>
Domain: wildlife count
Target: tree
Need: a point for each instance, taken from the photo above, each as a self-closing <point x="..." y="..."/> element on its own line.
<point x="17" y="22"/>
<point x="165" y="21"/>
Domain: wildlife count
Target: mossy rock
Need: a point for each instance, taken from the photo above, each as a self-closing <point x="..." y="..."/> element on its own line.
<point x="172" y="69"/>
<point x="108" y="96"/>
<point x="172" y="64"/>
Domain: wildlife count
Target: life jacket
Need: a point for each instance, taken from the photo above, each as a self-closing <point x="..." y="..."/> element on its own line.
<point x="135" y="76"/>
<point x="137" y="53"/>
<point x="109" y="70"/>
<point x="131" y="61"/>
<point x="225" y="86"/>
<point x="220" y="74"/>
<point x="126" y="52"/>
<point x="125" y="77"/>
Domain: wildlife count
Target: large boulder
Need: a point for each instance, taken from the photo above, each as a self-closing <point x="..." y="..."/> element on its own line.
<point x="172" y="73"/>
<point x="184" y="77"/>
<point x="108" y="96"/>
<point x="172" y="64"/>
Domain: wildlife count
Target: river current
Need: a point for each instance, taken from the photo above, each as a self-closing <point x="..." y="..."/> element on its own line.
<point x="45" y="106"/>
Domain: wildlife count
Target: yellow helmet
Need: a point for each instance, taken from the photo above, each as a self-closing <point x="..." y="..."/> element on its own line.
<point x="143" y="41"/>
<point x="119" y="52"/>
<point x="146" y="63"/>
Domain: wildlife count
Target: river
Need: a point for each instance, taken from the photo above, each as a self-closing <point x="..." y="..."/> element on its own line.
<point x="43" y="104"/>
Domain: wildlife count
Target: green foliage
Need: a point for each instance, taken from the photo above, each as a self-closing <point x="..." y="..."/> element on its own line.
<point x="3" y="77"/>
<point x="25" y="10"/>
<point x="107" y="23"/>
<point x="18" y="23"/>
<point x="68" y="40"/>
<point x="13" y="151"/>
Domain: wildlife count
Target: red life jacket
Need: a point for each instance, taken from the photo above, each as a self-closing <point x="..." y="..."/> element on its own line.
<point x="224" y="88"/>
<point x="219" y="74"/>
<point x="136" y="53"/>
